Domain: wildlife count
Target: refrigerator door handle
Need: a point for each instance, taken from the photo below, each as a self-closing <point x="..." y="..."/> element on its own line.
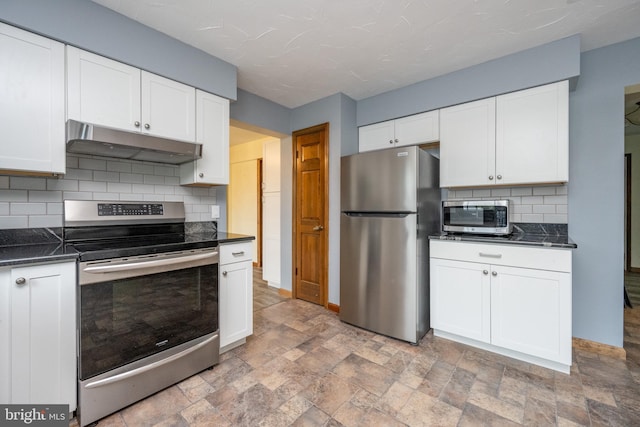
<point x="379" y="214"/>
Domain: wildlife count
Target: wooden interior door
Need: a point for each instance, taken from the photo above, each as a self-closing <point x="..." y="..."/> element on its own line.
<point x="311" y="214"/>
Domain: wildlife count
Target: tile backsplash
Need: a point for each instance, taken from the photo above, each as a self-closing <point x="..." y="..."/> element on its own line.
<point x="37" y="201"/>
<point x="528" y="204"/>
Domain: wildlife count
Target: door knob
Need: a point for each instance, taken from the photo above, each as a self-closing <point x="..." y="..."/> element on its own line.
<point x="318" y="228"/>
<point x="494" y="273"/>
<point x="224" y="273"/>
<point x="147" y="125"/>
<point x="21" y="281"/>
<point x="137" y="124"/>
<point x="485" y="272"/>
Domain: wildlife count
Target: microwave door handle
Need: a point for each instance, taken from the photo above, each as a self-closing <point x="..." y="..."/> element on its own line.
<point x="110" y="268"/>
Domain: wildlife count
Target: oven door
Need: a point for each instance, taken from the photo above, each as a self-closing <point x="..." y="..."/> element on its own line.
<point x="131" y="308"/>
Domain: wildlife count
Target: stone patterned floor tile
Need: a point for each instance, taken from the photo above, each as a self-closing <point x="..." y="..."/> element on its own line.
<point x="304" y="367"/>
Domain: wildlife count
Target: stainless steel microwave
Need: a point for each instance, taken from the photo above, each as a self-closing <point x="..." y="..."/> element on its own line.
<point x="476" y="217"/>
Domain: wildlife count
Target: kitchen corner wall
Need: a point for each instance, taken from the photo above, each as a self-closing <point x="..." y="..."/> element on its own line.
<point x="37" y="202"/>
<point x="528" y="204"/>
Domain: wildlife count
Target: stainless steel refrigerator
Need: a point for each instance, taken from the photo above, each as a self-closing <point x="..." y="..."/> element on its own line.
<point x="390" y="203"/>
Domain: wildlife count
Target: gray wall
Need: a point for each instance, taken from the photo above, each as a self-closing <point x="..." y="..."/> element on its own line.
<point x="261" y="113"/>
<point x="555" y="61"/>
<point x="92" y="27"/>
<point x="596" y="189"/>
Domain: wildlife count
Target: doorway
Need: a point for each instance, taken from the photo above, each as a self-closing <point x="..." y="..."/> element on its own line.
<point x="310" y="214"/>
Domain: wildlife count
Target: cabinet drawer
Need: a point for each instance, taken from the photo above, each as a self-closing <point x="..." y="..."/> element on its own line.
<point x="552" y="259"/>
<point x="235" y="252"/>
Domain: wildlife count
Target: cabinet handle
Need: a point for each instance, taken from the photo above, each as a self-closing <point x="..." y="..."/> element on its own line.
<point x="485" y="272"/>
<point x="486" y="255"/>
<point x="494" y="273"/>
<point x="224" y="273"/>
<point x="391" y="141"/>
<point x="147" y="126"/>
<point x="395" y="140"/>
<point x="499" y="177"/>
<point x="490" y="177"/>
<point x="237" y="253"/>
<point x="20" y="281"/>
<point x="201" y="175"/>
<point x="136" y="124"/>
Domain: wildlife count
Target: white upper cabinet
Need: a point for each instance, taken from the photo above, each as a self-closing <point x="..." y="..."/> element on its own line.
<point x="410" y="130"/>
<point x="31" y="103"/>
<point x="168" y="108"/>
<point x="532" y="135"/>
<point x="467" y="144"/>
<point x="108" y="93"/>
<point x="102" y="91"/>
<point x="517" y="138"/>
<point x="212" y="131"/>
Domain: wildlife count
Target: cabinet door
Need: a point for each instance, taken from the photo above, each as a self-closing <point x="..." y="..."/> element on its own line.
<point x="236" y="302"/>
<point x="418" y="128"/>
<point x="531" y="312"/>
<point x="271" y="238"/>
<point x="532" y="135"/>
<point x="43" y="334"/>
<point x="168" y="108"/>
<point x="31" y="102"/>
<point x="102" y="91"/>
<point x="377" y="136"/>
<point x="467" y="144"/>
<point x="212" y="131"/>
<point x="461" y="299"/>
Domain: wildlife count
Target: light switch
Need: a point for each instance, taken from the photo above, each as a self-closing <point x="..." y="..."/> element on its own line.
<point x="215" y="211"/>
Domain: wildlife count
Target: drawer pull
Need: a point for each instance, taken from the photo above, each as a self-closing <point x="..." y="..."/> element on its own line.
<point x="237" y="253"/>
<point x="486" y="255"/>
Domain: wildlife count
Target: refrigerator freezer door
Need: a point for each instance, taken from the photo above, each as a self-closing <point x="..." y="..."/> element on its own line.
<point x="378" y="274"/>
<point x="380" y="181"/>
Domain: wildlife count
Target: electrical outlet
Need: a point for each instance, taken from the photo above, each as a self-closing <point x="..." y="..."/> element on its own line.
<point x="215" y="211"/>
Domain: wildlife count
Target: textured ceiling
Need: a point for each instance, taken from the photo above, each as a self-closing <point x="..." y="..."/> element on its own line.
<point x="296" y="51"/>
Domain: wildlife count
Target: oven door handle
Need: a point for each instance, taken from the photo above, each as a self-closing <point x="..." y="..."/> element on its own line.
<point x="110" y="268"/>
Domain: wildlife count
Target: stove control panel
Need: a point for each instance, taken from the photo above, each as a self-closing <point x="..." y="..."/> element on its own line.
<point x="118" y="209"/>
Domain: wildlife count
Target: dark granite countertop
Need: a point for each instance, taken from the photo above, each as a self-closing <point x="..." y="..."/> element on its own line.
<point x="37" y="245"/>
<point x="526" y="234"/>
<point x="33" y="245"/>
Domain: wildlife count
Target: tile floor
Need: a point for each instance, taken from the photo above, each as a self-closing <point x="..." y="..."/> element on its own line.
<point x="303" y="367"/>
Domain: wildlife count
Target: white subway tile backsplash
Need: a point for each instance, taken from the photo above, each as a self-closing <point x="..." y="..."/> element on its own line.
<point x="133" y="178"/>
<point x="14" y="221"/>
<point x="4" y="208"/>
<point x="119" y="166"/>
<point x="172" y="180"/>
<point x="27" y="183"/>
<point x="106" y="196"/>
<point x="14" y="195"/>
<point x="92" y="164"/>
<point x="118" y="187"/>
<point x="45" y="196"/>
<point x="28" y="208"/>
<point x="163" y="189"/>
<point x="54" y="208"/>
<point x="165" y="170"/>
<point x="133" y="197"/>
<point x="77" y="195"/>
<point x="93" y="186"/>
<point x="45" y="220"/>
<point x="153" y="179"/>
<point x="143" y="188"/>
<point x="106" y="176"/>
<point x="4" y="182"/>
<point x="80" y="174"/>
<point x="548" y="204"/>
<point x="143" y="168"/>
<point x="65" y="184"/>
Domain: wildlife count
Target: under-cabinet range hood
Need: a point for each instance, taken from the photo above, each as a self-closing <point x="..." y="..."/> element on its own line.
<point x="85" y="138"/>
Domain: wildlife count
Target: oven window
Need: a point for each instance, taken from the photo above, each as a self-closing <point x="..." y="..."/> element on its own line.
<point x="127" y="319"/>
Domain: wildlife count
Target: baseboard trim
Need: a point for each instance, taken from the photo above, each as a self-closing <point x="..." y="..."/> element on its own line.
<point x="284" y="293"/>
<point x="599" y="348"/>
<point x="333" y="307"/>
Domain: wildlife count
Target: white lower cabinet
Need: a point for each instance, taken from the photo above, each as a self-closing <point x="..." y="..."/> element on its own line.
<point x="512" y="300"/>
<point x="38" y="334"/>
<point x="236" y="294"/>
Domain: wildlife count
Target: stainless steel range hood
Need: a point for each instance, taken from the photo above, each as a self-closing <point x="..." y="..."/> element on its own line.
<point x="85" y="138"/>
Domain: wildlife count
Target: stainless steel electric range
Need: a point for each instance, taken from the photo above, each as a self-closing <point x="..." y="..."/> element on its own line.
<point x="148" y="301"/>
